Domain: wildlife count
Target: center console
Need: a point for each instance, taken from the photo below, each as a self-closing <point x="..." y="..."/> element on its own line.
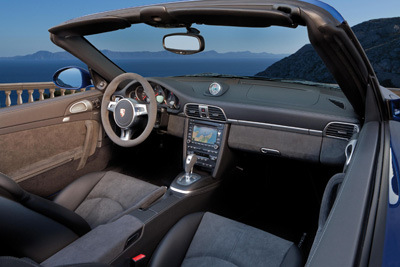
<point x="205" y="151"/>
<point x="204" y="139"/>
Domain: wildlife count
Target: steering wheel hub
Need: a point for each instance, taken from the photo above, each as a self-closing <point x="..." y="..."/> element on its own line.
<point x="124" y="114"/>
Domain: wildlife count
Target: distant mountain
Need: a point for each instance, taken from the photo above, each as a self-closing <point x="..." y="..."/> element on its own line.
<point x="42" y="55"/>
<point x="380" y="39"/>
<point x="45" y="55"/>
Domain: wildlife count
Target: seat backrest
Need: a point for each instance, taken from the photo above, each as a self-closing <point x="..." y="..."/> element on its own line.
<point x="31" y="226"/>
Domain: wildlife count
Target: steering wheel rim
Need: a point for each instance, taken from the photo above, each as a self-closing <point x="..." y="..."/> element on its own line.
<point x="151" y="109"/>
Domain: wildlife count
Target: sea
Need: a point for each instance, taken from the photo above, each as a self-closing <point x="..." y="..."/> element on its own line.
<point x="16" y="71"/>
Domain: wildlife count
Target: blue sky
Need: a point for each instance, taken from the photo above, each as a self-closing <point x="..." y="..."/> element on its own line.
<point x="24" y="25"/>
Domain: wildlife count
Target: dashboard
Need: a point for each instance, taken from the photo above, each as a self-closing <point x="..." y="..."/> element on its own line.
<point x="291" y="120"/>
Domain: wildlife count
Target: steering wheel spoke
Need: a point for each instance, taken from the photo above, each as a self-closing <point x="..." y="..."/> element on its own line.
<point x="126" y="134"/>
<point x="111" y="106"/>
<point x="140" y="109"/>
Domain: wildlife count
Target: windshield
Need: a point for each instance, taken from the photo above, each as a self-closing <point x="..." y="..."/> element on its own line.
<point x="231" y="52"/>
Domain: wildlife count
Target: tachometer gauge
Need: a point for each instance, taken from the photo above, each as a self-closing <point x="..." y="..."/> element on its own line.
<point x="159" y="93"/>
<point x="132" y="95"/>
<point x="141" y="95"/>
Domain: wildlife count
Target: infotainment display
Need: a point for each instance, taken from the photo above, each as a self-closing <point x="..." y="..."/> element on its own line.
<point x="202" y="134"/>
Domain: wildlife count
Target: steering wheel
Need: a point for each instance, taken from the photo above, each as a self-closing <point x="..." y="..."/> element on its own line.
<point x="127" y="111"/>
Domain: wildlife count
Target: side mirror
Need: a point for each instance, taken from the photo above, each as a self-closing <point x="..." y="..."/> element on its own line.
<point x="72" y="78"/>
<point x="183" y="43"/>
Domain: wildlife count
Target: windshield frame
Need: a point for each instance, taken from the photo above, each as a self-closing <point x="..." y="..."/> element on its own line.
<point x="333" y="40"/>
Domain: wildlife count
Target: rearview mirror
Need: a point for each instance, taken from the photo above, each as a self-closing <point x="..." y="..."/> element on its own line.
<point x="72" y="78"/>
<point x="183" y="43"/>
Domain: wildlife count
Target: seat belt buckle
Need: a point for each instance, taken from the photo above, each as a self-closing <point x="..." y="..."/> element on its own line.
<point x="138" y="261"/>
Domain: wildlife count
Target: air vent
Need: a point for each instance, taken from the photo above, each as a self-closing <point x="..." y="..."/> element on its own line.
<point x="215" y="113"/>
<point x="337" y="103"/>
<point x="192" y="111"/>
<point x="341" y="130"/>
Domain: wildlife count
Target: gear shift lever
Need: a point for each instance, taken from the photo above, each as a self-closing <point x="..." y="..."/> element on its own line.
<point x="189" y="177"/>
<point x="191" y="159"/>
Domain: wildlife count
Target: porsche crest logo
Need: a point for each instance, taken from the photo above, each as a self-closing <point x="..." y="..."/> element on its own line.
<point x="122" y="112"/>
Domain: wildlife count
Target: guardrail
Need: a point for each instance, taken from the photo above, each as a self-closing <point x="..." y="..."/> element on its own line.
<point x="30" y="92"/>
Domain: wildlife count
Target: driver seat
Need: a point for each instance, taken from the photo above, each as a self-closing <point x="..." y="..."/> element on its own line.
<point x="34" y="227"/>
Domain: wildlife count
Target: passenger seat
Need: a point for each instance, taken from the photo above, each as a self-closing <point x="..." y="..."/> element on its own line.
<point x="207" y="239"/>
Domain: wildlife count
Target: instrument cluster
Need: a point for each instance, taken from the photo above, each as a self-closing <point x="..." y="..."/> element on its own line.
<point x="164" y="97"/>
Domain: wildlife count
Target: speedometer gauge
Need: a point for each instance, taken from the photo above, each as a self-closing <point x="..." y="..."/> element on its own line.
<point x="141" y="95"/>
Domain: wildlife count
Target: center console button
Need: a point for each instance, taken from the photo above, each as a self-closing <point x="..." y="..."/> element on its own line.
<point x="216" y="146"/>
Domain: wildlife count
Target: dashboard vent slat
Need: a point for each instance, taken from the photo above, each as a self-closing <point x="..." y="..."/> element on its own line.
<point x="192" y="111"/>
<point x="215" y="113"/>
<point x="341" y="130"/>
<point x="205" y="112"/>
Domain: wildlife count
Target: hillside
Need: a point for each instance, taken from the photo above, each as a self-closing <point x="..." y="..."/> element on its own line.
<point x="381" y="40"/>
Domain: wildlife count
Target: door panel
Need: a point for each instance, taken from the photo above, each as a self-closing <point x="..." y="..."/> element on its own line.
<point x="48" y="146"/>
<point x="45" y="137"/>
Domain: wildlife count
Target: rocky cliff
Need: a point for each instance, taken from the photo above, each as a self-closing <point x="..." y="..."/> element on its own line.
<point x="380" y="38"/>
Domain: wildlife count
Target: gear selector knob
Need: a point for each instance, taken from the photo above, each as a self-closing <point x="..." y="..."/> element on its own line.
<point x="191" y="159"/>
<point x="188" y="178"/>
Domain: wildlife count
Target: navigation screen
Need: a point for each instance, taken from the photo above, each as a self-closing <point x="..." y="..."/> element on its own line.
<point x="204" y="134"/>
